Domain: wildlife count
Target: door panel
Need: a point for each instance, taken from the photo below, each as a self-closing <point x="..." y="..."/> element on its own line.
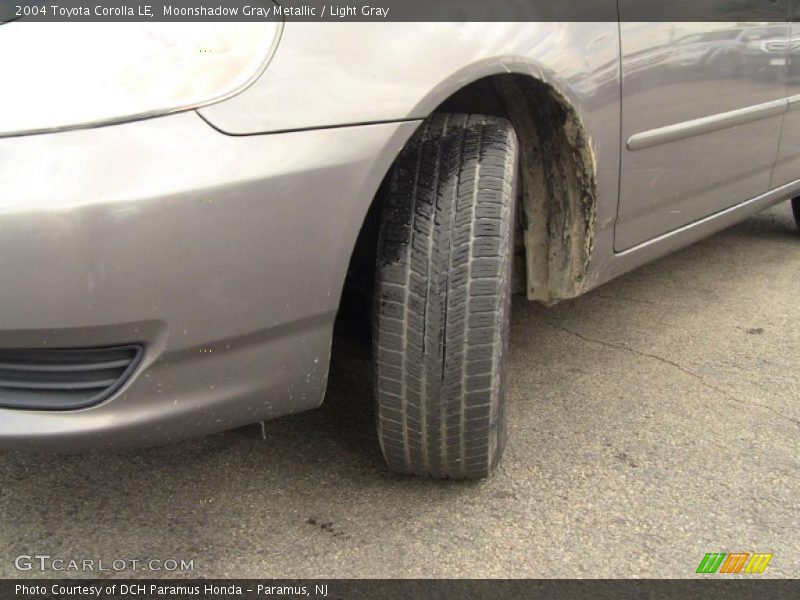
<point x="702" y="106"/>
<point x="787" y="168"/>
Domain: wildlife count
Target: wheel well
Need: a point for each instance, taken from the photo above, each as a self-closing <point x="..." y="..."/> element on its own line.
<point x="557" y="190"/>
<point x="557" y="176"/>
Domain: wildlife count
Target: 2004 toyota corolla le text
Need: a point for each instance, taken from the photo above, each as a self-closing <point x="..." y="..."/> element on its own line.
<point x="179" y="270"/>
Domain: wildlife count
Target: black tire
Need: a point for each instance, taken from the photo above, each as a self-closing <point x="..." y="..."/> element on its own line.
<point x="796" y="211"/>
<point x="443" y="291"/>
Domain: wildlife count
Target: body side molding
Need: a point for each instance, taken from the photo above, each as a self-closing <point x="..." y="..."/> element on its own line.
<point x="679" y="131"/>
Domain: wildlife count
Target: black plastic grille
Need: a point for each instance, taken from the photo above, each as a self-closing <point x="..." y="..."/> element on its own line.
<point x="64" y="379"/>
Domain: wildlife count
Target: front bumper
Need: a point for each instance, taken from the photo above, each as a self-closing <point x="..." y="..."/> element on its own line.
<point x="224" y="256"/>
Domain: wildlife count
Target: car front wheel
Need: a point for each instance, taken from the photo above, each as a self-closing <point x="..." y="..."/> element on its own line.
<point x="442" y="304"/>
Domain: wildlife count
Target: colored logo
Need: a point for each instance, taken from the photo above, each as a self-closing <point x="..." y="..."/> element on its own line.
<point x="737" y="562"/>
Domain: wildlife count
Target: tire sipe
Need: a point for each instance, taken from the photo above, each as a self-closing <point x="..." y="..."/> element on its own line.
<point x="442" y="298"/>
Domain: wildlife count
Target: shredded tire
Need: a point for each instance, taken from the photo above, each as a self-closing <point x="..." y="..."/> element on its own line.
<point x="443" y="291"/>
<point x="796" y="211"/>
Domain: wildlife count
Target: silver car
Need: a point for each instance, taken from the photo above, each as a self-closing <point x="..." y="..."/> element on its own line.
<point x="186" y="208"/>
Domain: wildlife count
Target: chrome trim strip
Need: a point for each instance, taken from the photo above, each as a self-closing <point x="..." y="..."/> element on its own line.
<point x="679" y="131"/>
<point x="794" y="102"/>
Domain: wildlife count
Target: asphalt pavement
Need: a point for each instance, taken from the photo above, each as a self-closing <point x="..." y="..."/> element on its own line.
<point x="651" y="421"/>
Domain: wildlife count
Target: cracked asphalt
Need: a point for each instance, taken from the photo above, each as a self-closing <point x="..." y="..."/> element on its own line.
<point x="651" y="421"/>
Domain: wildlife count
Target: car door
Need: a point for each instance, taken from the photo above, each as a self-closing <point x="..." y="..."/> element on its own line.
<point x="702" y="107"/>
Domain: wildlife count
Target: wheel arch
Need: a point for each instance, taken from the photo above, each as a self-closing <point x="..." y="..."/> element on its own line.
<point x="558" y="177"/>
<point x="558" y="172"/>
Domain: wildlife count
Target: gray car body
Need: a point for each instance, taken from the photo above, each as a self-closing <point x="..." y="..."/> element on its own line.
<point x="220" y="238"/>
